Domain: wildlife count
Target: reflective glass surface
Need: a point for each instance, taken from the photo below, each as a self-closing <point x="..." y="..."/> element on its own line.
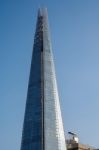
<point x="32" y="129"/>
<point x="53" y="131"/>
<point x="43" y="127"/>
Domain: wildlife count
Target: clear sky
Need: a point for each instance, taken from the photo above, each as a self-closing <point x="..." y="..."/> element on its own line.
<point x="74" y="26"/>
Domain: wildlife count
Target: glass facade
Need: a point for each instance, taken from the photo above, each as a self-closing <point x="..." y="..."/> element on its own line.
<point x="43" y="128"/>
<point x="54" y="134"/>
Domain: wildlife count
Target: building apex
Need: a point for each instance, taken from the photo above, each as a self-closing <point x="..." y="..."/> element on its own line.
<point x="42" y="11"/>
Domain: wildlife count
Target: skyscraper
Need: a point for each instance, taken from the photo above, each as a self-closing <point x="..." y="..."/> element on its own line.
<point x="43" y="127"/>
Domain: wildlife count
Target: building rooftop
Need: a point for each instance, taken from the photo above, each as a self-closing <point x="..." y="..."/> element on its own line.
<point x="72" y="145"/>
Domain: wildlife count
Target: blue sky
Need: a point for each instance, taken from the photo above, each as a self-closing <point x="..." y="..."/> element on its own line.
<point x="74" y="27"/>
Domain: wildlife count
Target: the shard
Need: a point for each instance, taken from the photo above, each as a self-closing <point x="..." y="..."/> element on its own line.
<point x="43" y="127"/>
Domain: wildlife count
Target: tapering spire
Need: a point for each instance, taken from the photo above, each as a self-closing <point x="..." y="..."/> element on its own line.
<point x="43" y="127"/>
<point x="40" y="12"/>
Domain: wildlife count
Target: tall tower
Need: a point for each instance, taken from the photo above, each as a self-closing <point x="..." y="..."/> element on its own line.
<point x="43" y="127"/>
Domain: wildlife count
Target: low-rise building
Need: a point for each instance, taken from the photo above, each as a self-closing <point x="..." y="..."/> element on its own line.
<point x="72" y="145"/>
